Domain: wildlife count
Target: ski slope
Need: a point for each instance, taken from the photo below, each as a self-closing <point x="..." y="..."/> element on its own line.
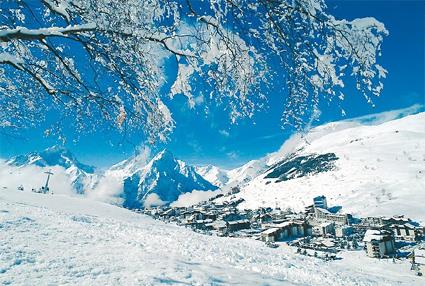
<point x="380" y="170"/>
<point x="56" y="240"/>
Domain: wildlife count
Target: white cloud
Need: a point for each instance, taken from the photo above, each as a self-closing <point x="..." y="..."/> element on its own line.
<point x="232" y="155"/>
<point x="224" y="133"/>
<point x="33" y="177"/>
<point x="195" y="197"/>
<point x="153" y="200"/>
<point x="107" y="190"/>
<point x="379" y="118"/>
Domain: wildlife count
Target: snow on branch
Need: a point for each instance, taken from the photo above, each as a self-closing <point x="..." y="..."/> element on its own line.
<point x="22" y="33"/>
<point x="103" y="59"/>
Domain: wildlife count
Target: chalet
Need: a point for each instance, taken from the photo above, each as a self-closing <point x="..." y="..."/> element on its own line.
<point x="380" y="222"/>
<point x="395" y="220"/>
<point x="238" y="225"/>
<point x="323" y="214"/>
<point x="262" y="218"/>
<point x="232" y="216"/>
<point x="372" y="222"/>
<point x="286" y="230"/>
<point x="418" y="261"/>
<point x="379" y="243"/>
<point x="270" y="234"/>
<point x="406" y="231"/>
<point x="320" y="202"/>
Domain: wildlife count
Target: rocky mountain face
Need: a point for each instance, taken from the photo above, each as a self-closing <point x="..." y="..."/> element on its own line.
<point x="368" y="169"/>
<point x="159" y="182"/>
<point x="141" y="182"/>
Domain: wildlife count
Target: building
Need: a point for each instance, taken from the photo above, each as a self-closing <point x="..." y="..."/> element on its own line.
<point x="327" y="228"/>
<point x="325" y="215"/>
<point x="286" y="230"/>
<point x="406" y="231"/>
<point x="219" y="225"/>
<point x="320" y="202"/>
<point x="344" y="230"/>
<point x="238" y="225"/>
<point x="379" y="243"/>
<point x="270" y="234"/>
<point x="418" y="261"/>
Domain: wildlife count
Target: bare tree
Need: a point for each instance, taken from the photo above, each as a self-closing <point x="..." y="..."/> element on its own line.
<point x="104" y="58"/>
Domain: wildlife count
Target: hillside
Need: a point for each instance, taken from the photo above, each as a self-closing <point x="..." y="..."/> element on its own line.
<point x="56" y="239"/>
<point x="367" y="169"/>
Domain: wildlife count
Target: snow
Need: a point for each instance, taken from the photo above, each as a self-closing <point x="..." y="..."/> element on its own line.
<point x="213" y="174"/>
<point x="420" y="256"/>
<point x="9" y="58"/>
<point x="270" y="231"/>
<point x="157" y="181"/>
<point x="373" y="234"/>
<point x="380" y="170"/>
<point x="60" y="8"/>
<point x="56" y="239"/>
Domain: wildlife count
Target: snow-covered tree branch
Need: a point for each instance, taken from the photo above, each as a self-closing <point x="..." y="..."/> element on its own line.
<point x="103" y="58"/>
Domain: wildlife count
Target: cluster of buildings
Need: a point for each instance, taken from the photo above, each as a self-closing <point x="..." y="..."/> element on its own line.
<point x="317" y="229"/>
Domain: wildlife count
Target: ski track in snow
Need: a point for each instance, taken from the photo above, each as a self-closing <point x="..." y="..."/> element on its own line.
<point x="56" y="239"/>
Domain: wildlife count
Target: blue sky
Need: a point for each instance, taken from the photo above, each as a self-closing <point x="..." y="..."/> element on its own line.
<point x="200" y="138"/>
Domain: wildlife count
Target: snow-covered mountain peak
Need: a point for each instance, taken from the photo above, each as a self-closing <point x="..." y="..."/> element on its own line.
<point x="52" y="156"/>
<point x="80" y="175"/>
<point x="131" y="165"/>
<point x="158" y="181"/>
<point x="165" y="154"/>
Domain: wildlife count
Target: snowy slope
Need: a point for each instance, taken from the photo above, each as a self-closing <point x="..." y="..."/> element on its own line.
<point x="158" y="182"/>
<point x="80" y="176"/>
<point x="369" y="170"/>
<point x="57" y="240"/>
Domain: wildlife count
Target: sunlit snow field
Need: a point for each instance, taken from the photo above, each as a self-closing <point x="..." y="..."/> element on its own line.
<point x="56" y="239"/>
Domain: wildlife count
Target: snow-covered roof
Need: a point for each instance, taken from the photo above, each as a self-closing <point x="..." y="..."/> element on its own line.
<point x="411" y="226"/>
<point x="407" y="225"/>
<point x="326" y="224"/>
<point x="270" y="231"/>
<point x="283" y="224"/>
<point x="328" y="243"/>
<point x="374" y="234"/>
<point x="324" y="210"/>
<point x="238" y="221"/>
